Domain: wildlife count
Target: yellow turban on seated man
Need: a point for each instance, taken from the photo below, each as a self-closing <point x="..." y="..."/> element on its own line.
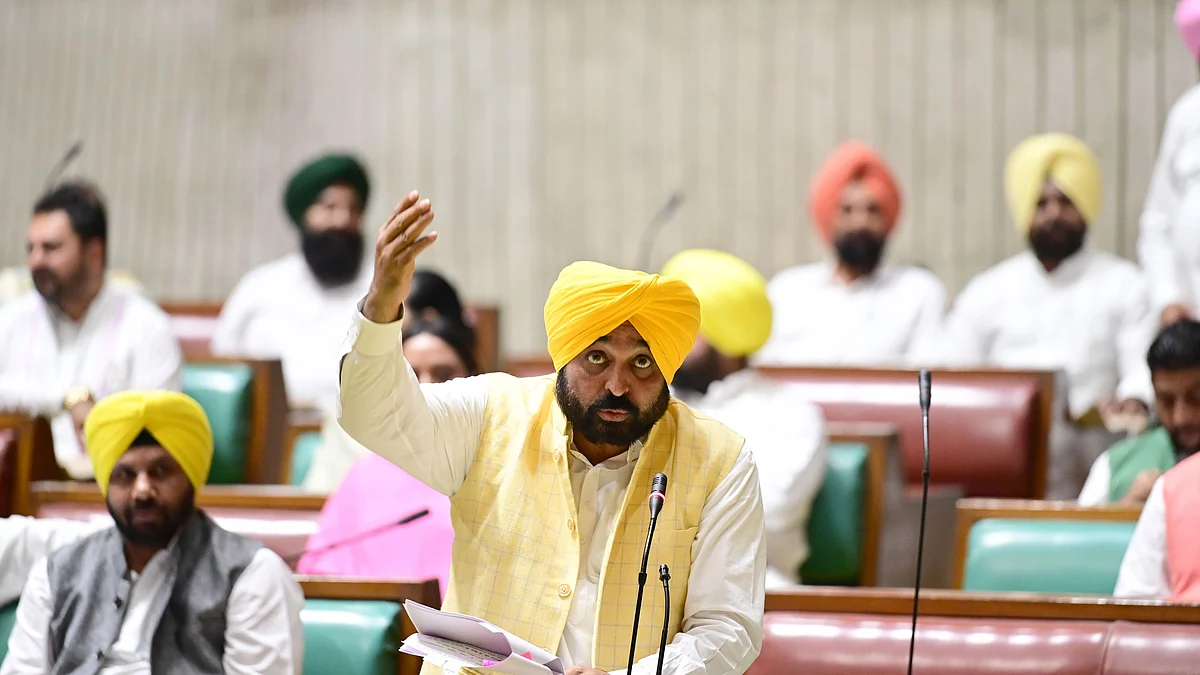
<point x="1061" y="159"/>
<point x="735" y="313"/>
<point x="175" y="420"/>
<point x="590" y="300"/>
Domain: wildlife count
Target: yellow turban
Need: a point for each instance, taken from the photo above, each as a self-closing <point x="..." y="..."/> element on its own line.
<point x="590" y="300"/>
<point x="176" y="420"/>
<point x="735" y="314"/>
<point x="1063" y="160"/>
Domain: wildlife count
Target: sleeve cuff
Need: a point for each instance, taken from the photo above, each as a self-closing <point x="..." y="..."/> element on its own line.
<point x="375" y="339"/>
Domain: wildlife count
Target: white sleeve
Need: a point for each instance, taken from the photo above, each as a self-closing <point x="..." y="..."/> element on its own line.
<point x="931" y="316"/>
<point x="227" y="339"/>
<point x="29" y="643"/>
<point x="723" y="614"/>
<point x="965" y="337"/>
<point x="158" y="361"/>
<point x="263" y="632"/>
<point x="24" y="541"/>
<point x="430" y="431"/>
<point x="20" y="391"/>
<point x="799" y="454"/>
<point x="1144" y="569"/>
<point x="1156" y="245"/>
<point x="1095" y="488"/>
<point x="1138" y="325"/>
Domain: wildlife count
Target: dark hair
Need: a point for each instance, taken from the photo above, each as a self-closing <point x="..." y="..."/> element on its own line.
<point x="430" y="290"/>
<point x="1177" y="347"/>
<point x="458" y="335"/>
<point x="84" y="206"/>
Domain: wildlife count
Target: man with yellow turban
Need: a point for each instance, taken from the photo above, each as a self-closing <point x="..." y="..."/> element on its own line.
<point x="294" y="309"/>
<point x="855" y="310"/>
<point x="549" y="477"/>
<point x="166" y="590"/>
<point x="786" y="430"/>
<point x="1061" y="305"/>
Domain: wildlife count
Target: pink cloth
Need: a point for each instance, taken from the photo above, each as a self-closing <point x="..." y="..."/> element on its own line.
<point x="376" y="492"/>
<point x="1187" y="22"/>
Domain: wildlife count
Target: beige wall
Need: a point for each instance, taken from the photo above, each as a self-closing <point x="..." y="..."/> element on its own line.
<point x="552" y="130"/>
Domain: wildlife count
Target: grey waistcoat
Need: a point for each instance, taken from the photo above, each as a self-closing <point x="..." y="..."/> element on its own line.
<point x="90" y="587"/>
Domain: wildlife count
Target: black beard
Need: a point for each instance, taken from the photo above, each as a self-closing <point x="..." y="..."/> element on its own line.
<point x="334" y="256"/>
<point x="1056" y="243"/>
<point x="859" y="250"/>
<point x="159" y="536"/>
<point x="587" y="421"/>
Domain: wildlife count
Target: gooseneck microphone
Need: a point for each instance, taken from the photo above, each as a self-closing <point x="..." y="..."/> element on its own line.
<point x="658" y="496"/>
<point x="924" y="383"/>
<point x="62" y="165"/>
<point x="647" y="244"/>
<point x="665" y="575"/>
<point x="361" y="536"/>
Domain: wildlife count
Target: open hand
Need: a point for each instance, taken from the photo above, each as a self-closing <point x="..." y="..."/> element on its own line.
<point x="399" y="243"/>
<point x="1174" y="313"/>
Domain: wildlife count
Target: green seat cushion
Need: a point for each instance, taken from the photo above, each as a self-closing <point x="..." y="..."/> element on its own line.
<point x="303" y="451"/>
<point x="224" y="391"/>
<point x="1045" y="556"/>
<point x="350" y="637"/>
<point x="8" y="617"/>
<point x="837" y="519"/>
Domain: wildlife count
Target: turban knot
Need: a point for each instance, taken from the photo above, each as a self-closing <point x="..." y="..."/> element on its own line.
<point x="852" y="162"/>
<point x="306" y="184"/>
<point x="735" y="312"/>
<point x="589" y="300"/>
<point x="1187" y="22"/>
<point x="1063" y="160"/>
<point x="175" y="420"/>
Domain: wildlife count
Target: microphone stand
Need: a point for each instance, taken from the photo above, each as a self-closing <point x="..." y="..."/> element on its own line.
<point x="924" y="383"/>
<point x="637" y="610"/>
<point x="665" y="575"/>
<point x="373" y="532"/>
<point x="652" y="228"/>
<point x="58" y="169"/>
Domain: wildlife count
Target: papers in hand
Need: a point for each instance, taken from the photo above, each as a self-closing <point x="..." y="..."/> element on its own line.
<point x="456" y="641"/>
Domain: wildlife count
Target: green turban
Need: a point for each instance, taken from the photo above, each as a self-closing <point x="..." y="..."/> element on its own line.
<point x="305" y="185"/>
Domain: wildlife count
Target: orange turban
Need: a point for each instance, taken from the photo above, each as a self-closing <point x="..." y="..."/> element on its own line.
<point x="852" y="161"/>
<point x="590" y="300"/>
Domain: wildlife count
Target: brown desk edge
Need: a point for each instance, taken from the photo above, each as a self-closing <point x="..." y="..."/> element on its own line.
<point x="281" y="497"/>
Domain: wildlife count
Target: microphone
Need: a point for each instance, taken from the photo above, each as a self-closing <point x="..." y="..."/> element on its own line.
<point x="658" y="496"/>
<point x="665" y="575"/>
<point x="361" y="536"/>
<point x="924" y="384"/>
<point x="59" y="168"/>
<point x="652" y="228"/>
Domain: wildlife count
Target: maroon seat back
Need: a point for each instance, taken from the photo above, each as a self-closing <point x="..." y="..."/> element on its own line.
<point x="1152" y="649"/>
<point x="8" y="470"/>
<point x="988" y="430"/>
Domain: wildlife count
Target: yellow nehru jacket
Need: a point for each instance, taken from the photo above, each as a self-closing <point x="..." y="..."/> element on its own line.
<point x="735" y="312"/>
<point x="1061" y="159"/>
<point x="175" y="420"/>
<point x="516" y="552"/>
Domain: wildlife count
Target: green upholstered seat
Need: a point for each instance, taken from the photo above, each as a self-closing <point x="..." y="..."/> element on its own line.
<point x="224" y="391"/>
<point x="838" y="519"/>
<point x="350" y="637"/>
<point x="1045" y="556"/>
<point x="8" y="617"/>
<point x="341" y="637"/>
<point x="303" y="451"/>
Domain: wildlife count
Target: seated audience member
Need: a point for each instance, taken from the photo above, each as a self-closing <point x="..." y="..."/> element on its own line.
<point x="165" y="590"/>
<point x="294" y="308"/>
<point x="1126" y="472"/>
<point x="16" y="281"/>
<point x="25" y="541"/>
<point x="76" y="338"/>
<point x="432" y="296"/>
<point x="786" y="431"/>
<point x="1061" y="305"/>
<point x="438" y="351"/>
<point x="856" y="310"/>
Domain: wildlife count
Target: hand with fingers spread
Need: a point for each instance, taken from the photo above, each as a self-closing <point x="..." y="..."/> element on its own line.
<point x="399" y="243"/>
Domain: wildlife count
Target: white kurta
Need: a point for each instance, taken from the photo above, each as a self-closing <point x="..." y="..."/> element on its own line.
<point x="123" y="342"/>
<point x="432" y="432"/>
<point x="1099" y="480"/>
<point x="787" y="433"/>
<point x="280" y="311"/>
<point x="1090" y="317"/>
<point x="263" y="633"/>
<point x="1144" y="568"/>
<point x="1169" y="239"/>
<point x="878" y="320"/>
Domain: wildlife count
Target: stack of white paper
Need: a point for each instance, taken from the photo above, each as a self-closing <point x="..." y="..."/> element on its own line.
<point x="456" y="641"/>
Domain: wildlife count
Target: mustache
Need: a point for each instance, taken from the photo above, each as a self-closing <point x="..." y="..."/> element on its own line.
<point x="611" y="402"/>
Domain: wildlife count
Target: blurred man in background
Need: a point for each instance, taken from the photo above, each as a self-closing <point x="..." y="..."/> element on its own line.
<point x="76" y="338"/>
<point x="786" y="431"/>
<point x="295" y="308"/>
<point x="857" y="310"/>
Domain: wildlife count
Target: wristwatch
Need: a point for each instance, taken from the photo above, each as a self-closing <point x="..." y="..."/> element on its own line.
<point x="76" y="395"/>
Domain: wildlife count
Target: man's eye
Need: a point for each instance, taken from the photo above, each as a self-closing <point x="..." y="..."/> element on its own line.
<point x="595" y="358"/>
<point x="642" y="362"/>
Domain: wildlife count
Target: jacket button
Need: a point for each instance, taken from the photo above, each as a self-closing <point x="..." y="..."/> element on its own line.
<point x="564" y="590"/>
<point x="557" y="456"/>
<point x="571" y="524"/>
<point x="118" y="602"/>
